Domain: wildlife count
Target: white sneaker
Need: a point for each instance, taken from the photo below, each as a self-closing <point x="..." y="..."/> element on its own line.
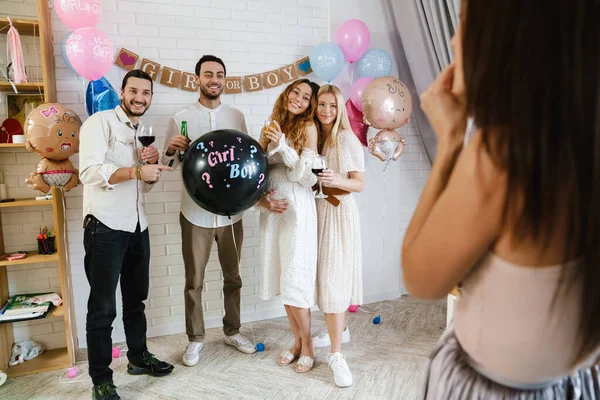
<point x="341" y="372"/>
<point x="323" y="339"/>
<point x="192" y="354"/>
<point x="241" y="343"/>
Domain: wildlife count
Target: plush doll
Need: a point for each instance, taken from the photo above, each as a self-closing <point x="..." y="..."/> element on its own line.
<point x="52" y="131"/>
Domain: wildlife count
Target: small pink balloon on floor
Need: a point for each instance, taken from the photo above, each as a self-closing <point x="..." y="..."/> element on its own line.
<point x="353" y="308"/>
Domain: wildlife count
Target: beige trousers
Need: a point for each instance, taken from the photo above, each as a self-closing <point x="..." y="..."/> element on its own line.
<point x="196" y="246"/>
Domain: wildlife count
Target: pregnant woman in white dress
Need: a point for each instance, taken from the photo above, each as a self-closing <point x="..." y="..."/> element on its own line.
<point x="289" y="238"/>
<point x="339" y="267"/>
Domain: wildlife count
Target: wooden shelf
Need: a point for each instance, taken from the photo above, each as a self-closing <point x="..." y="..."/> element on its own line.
<point x="26" y="27"/>
<point x="32" y="258"/>
<point x="49" y="360"/>
<point x="57" y="312"/>
<point x="23" y="87"/>
<point x="25" y="203"/>
<point x="11" y="145"/>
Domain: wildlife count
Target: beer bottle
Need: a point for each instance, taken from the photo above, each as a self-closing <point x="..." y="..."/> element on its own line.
<point x="184" y="132"/>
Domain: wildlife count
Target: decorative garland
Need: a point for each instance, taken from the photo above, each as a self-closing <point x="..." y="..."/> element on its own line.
<point x="233" y="84"/>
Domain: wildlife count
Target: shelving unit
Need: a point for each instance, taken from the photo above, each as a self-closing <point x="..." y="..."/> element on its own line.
<point x="41" y="29"/>
<point x="56" y="358"/>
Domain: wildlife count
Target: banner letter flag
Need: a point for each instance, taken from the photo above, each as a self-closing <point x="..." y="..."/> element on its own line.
<point x="150" y="67"/>
<point x="170" y="77"/>
<point x="271" y="79"/>
<point x="303" y="66"/>
<point x="188" y="82"/>
<point x="253" y="83"/>
<point x="233" y="85"/>
<point x="288" y="73"/>
<point x="127" y="59"/>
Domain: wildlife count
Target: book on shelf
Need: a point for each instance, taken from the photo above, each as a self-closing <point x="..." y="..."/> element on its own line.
<point x="19" y="317"/>
<point x="28" y="304"/>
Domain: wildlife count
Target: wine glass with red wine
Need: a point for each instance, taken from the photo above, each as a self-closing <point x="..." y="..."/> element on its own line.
<point x="318" y="165"/>
<point x="146" y="137"/>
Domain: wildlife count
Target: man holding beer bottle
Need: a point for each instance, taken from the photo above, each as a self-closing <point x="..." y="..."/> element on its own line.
<point x="199" y="228"/>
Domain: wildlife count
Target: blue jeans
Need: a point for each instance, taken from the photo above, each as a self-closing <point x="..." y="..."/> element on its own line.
<point x="110" y="254"/>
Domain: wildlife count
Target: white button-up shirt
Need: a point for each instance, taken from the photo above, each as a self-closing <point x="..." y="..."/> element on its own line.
<point x="107" y="142"/>
<point x="201" y="120"/>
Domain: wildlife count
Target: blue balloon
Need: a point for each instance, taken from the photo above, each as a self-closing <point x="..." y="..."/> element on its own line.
<point x="63" y="50"/>
<point x="100" y="96"/>
<point x="327" y="60"/>
<point x="374" y="63"/>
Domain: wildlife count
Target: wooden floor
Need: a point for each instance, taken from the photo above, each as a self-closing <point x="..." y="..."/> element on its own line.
<point x="386" y="361"/>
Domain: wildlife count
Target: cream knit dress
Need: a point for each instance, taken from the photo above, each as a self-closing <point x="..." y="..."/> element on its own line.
<point x="339" y="270"/>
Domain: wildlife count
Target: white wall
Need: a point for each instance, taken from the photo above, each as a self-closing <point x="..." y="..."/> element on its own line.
<point x="251" y="37"/>
<point x="390" y="196"/>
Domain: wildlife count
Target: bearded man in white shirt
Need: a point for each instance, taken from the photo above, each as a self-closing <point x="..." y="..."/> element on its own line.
<point x="116" y="172"/>
<point x="199" y="228"/>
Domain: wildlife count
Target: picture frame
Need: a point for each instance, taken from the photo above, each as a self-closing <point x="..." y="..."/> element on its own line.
<point x="18" y="106"/>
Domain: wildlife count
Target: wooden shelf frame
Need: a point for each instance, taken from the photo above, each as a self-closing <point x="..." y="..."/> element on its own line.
<point x="56" y="358"/>
<point x="26" y="203"/>
<point x="26" y="27"/>
<point x="42" y="29"/>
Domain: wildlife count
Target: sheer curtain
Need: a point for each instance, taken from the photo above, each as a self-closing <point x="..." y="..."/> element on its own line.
<point x="425" y="28"/>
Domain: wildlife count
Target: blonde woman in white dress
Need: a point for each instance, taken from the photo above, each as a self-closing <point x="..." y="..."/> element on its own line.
<point x="339" y="267"/>
<point x="289" y="227"/>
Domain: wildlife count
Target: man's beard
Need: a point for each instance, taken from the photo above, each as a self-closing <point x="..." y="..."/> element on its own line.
<point x="128" y="110"/>
<point x="205" y="92"/>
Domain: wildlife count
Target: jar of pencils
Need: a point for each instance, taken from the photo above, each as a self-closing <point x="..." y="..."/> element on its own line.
<point x="46" y="242"/>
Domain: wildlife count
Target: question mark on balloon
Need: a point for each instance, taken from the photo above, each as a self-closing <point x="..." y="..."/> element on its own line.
<point x="252" y="151"/>
<point x="206" y="177"/>
<point x="201" y="146"/>
<point x="211" y="143"/>
<point x="239" y="139"/>
<point x="262" y="178"/>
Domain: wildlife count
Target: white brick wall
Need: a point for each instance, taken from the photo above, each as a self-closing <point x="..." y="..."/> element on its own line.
<point x="251" y="37"/>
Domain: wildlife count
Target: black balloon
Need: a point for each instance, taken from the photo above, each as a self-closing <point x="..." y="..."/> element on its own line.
<point x="225" y="171"/>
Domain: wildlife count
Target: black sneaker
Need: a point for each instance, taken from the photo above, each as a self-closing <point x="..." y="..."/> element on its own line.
<point x="150" y="365"/>
<point x="105" y="391"/>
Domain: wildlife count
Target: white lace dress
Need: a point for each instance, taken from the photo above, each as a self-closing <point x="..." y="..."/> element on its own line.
<point x="339" y="269"/>
<point x="289" y="240"/>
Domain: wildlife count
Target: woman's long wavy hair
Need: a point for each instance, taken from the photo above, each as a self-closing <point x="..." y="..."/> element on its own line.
<point x="532" y="72"/>
<point x="342" y="122"/>
<point x="293" y="126"/>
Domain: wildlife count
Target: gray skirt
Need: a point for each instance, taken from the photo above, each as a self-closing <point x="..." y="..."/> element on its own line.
<point x="450" y="375"/>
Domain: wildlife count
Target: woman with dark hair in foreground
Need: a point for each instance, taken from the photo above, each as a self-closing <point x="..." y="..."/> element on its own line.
<point x="514" y="216"/>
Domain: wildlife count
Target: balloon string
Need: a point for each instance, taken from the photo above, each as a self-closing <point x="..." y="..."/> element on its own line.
<point x="351" y="72"/>
<point x="93" y="98"/>
<point x="384" y="225"/>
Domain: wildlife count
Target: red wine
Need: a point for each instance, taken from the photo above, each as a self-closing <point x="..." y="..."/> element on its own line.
<point x="146" y="140"/>
<point x="317" y="171"/>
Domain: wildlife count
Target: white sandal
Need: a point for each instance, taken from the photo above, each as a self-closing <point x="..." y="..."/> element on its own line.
<point x="304" y="364"/>
<point x="286" y="356"/>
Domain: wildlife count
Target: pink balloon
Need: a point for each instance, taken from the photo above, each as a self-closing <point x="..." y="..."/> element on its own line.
<point x="79" y="13"/>
<point x="357" y="90"/>
<point x="90" y="53"/>
<point x="356" y="123"/>
<point x="353" y="37"/>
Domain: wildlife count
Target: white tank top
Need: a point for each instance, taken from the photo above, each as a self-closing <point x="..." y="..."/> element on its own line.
<point x="505" y="322"/>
